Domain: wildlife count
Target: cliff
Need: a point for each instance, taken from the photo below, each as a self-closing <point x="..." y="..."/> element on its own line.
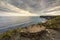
<point x="48" y="17"/>
<point x="40" y="31"/>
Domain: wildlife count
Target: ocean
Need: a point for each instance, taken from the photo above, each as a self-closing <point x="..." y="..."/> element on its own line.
<point x="12" y="22"/>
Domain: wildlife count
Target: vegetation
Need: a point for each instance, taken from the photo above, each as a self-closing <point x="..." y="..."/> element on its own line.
<point x="53" y="23"/>
<point x="10" y="34"/>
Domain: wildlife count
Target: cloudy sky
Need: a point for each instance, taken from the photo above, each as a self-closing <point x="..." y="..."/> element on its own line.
<point x="29" y="7"/>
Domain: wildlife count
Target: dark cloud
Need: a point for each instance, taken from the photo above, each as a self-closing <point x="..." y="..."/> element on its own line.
<point x="34" y="5"/>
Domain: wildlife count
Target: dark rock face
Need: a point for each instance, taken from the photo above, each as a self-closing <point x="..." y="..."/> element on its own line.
<point x="34" y="36"/>
<point x="48" y="17"/>
<point x="48" y="34"/>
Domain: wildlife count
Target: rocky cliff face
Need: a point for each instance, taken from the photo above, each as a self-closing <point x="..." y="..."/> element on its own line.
<point x="48" y="17"/>
<point x="48" y="34"/>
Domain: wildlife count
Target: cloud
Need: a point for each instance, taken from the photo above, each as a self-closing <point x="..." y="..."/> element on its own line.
<point x="54" y="8"/>
<point x="53" y="13"/>
<point x="17" y="14"/>
<point x="33" y="6"/>
<point x="15" y="11"/>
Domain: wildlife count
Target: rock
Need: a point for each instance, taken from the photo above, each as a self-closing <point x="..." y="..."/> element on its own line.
<point x="33" y="29"/>
<point x="48" y="34"/>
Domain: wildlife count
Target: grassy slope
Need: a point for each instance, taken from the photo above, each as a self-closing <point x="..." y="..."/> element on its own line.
<point x="53" y="23"/>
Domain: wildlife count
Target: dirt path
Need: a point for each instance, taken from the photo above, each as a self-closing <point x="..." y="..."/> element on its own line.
<point x="53" y="34"/>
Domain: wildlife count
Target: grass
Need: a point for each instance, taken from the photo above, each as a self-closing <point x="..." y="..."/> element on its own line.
<point x="53" y="23"/>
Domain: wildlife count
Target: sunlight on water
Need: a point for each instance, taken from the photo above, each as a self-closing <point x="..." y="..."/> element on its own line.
<point x="10" y="21"/>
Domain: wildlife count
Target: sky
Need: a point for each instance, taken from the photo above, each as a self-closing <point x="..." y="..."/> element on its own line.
<point x="29" y="7"/>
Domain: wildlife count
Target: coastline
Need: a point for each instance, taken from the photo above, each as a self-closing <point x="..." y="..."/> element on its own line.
<point x="32" y="32"/>
<point x="40" y="31"/>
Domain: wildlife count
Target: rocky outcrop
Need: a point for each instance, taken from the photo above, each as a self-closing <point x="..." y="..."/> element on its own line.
<point x="48" y="17"/>
<point x="48" y="34"/>
<point x="33" y="29"/>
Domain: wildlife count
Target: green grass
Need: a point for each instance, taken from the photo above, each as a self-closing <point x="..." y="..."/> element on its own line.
<point x="7" y="35"/>
<point x="53" y="23"/>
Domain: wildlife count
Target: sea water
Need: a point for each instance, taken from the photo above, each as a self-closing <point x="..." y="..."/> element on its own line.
<point x="11" y="22"/>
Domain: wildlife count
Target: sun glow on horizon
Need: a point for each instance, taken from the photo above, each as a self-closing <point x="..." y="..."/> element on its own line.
<point x="19" y="12"/>
<point x="16" y="11"/>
